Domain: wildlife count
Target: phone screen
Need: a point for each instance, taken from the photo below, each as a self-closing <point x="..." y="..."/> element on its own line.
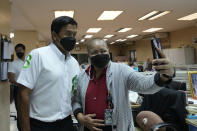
<point x="155" y="43"/>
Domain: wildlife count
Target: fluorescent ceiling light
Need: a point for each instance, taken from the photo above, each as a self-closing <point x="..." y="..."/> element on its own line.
<point x="148" y="15"/>
<point x="132" y="36"/>
<point x="189" y="17"/>
<point x="108" y="36"/>
<point x="105" y="39"/>
<point x="93" y="30"/>
<point x="124" y="29"/>
<point x="64" y="13"/>
<point x="159" y="15"/>
<point x="77" y="43"/>
<point x="121" y="40"/>
<point x="153" y="29"/>
<point x="109" y="15"/>
<point x="82" y="40"/>
<point x="112" y="42"/>
<point x="118" y="40"/>
<point x="88" y="36"/>
<point x="11" y="35"/>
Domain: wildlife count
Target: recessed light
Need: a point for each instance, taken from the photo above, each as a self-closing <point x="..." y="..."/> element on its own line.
<point x="132" y="36"/>
<point x="118" y="40"/>
<point x="109" y="15"/>
<point x="159" y="15"/>
<point x="77" y="43"/>
<point x="112" y="42"/>
<point x="108" y="36"/>
<point x="189" y="17"/>
<point x="93" y="30"/>
<point x="121" y="40"/>
<point x="11" y="35"/>
<point x="153" y="29"/>
<point x="82" y="40"/>
<point x="148" y="15"/>
<point x="64" y="13"/>
<point x="124" y="29"/>
<point x="88" y="36"/>
<point x="105" y="39"/>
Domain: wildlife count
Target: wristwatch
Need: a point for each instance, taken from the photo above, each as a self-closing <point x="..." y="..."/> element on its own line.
<point x="159" y="82"/>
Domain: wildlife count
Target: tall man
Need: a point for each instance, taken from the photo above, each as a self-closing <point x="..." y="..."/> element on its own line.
<point x="46" y="81"/>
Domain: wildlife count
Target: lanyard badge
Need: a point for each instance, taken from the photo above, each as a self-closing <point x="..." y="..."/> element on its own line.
<point x="108" y="112"/>
<point x="108" y="116"/>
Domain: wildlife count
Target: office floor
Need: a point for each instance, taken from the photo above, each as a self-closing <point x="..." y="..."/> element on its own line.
<point x="13" y="126"/>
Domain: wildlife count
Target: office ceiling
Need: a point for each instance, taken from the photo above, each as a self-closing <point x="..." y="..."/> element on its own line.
<point x="38" y="14"/>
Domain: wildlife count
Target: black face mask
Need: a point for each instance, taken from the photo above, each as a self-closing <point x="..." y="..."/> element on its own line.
<point x="100" y="60"/>
<point x="20" y="54"/>
<point x="68" y="43"/>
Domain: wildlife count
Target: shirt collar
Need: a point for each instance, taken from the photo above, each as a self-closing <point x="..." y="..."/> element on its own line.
<point x="20" y="60"/>
<point x="58" y="52"/>
<point x="90" y="71"/>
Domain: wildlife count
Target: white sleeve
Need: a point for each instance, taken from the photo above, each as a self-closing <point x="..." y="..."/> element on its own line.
<point x="78" y="69"/>
<point x="11" y="67"/>
<point x="76" y="66"/>
<point x="31" y="70"/>
<point x="138" y="82"/>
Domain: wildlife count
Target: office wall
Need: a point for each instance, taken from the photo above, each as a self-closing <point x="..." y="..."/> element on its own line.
<point x="5" y="13"/>
<point x="115" y="50"/>
<point x="142" y="47"/>
<point x="183" y="38"/>
<point x="28" y="38"/>
<point x="177" y="39"/>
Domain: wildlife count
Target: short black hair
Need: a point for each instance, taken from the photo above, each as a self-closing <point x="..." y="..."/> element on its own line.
<point x="20" y="45"/>
<point x="61" y="21"/>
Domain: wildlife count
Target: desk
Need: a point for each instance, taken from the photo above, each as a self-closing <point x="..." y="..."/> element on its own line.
<point x="192" y="124"/>
<point x="135" y="110"/>
<point x="135" y="106"/>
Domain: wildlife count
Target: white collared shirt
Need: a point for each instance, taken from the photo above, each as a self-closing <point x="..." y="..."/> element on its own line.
<point x="49" y="75"/>
<point x="15" y="67"/>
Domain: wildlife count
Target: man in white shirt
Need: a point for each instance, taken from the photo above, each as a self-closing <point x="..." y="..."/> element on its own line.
<point x="46" y="81"/>
<point x="14" y="69"/>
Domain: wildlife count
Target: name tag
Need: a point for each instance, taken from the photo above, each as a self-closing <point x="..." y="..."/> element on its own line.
<point x="108" y="116"/>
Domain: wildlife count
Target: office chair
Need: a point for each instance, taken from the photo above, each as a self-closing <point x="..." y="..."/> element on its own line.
<point x="169" y="105"/>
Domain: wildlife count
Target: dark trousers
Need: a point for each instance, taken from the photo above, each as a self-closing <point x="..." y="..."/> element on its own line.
<point x="15" y="92"/>
<point x="61" y="125"/>
<point x="106" y="128"/>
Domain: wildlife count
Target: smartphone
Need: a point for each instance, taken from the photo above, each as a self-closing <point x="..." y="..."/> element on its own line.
<point x="155" y="44"/>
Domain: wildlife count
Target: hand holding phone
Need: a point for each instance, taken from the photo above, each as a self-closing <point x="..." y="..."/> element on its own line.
<point x="155" y="44"/>
<point x="160" y="63"/>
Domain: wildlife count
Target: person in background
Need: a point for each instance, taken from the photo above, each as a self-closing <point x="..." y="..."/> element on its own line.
<point x="148" y="65"/>
<point x="100" y="100"/>
<point x="14" y="69"/>
<point x="46" y="81"/>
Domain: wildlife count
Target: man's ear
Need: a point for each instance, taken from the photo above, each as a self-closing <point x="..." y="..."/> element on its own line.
<point x="54" y="36"/>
